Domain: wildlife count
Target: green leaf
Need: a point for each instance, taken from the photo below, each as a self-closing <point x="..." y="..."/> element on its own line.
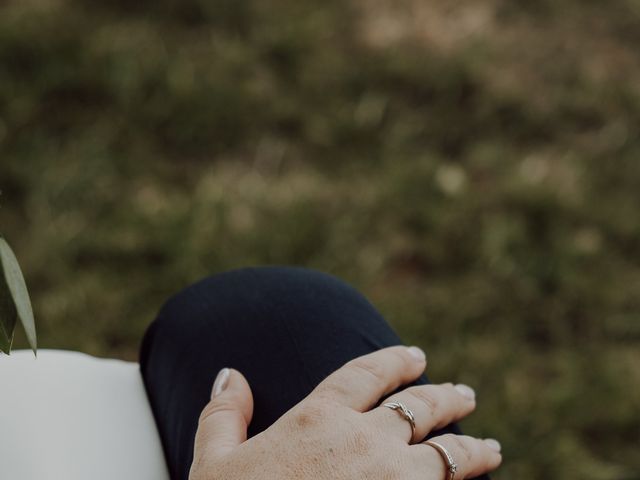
<point x="13" y="291"/>
<point x="8" y="315"/>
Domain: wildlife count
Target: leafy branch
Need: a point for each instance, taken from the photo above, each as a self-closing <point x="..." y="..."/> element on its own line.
<point x="14" y="301"/>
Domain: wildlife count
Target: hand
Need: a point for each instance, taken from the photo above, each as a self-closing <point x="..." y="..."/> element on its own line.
<point x="336" y="433"/>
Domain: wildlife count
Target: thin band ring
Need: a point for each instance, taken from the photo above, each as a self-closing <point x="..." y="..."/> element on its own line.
<point x="452" y="466"/>
<point x="405" y="413"/>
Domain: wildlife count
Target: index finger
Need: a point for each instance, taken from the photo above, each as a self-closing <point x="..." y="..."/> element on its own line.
<point x="362" y="382"/>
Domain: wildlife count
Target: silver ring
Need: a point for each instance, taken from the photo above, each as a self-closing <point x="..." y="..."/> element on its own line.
<point x="452" y="466"/>
<point x="405" y="413"/>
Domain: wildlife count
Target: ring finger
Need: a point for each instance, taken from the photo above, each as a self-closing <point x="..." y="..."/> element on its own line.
<point x="470" y="457"/>
<point x="432" y="406"/>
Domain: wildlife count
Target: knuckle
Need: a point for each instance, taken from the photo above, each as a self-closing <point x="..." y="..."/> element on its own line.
<point x="198" y="466"/>
<point x="370" y="368"/>
<point x="360" y="443"/>
<point x="308" y="415"/>
<point x="403" y="357"/>
<point x="428" y="397"/>
<point x="332" y="390"/>
<point x="216" y="408"/>
<point x="463" y="446"/>
<point x="393" y="468"/>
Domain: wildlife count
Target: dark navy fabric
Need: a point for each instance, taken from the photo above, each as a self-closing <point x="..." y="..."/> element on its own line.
<point x="284" y="328"/>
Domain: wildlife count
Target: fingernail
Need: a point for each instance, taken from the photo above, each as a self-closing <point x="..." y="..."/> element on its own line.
<point x="493" y="444"/>
<point x="221" y="382"/>
<point x="466" y="391"/>
<point x="417" y="353"/>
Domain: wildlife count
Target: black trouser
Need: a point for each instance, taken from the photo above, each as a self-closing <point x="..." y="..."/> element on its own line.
<point x="284" y="328"/>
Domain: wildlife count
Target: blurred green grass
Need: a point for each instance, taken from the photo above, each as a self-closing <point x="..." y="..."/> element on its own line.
<point x="472" y="166"/>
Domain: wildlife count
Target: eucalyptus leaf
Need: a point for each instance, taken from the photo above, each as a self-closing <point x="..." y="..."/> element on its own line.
<point x="5" y="344"/>
<point x="15" y="292"/>
<point x="8" y="315"/>
<point x="6" y="325"/>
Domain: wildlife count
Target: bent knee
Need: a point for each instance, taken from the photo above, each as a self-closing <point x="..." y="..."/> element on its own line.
<point x="249" y="297"/>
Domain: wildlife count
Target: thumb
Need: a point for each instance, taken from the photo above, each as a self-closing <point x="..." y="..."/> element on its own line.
<point x="224" y="421"/>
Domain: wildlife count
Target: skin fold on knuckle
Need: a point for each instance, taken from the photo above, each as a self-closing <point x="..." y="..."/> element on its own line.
<point x="369" y="370"/>
<point x="429" y="398"/>
<point x="332" y="390"/>
<point x="216" y="408"/>
<point x="407" y="362"/>
<point x="463" y="446"/>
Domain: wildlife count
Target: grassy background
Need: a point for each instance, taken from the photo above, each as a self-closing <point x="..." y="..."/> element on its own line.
<point x="472" y="166"/>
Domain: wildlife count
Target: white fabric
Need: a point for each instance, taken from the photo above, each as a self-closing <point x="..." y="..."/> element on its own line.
<point x="69" y="416"/>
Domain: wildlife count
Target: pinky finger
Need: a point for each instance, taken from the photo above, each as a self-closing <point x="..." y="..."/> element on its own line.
<point x="472" y="456"/>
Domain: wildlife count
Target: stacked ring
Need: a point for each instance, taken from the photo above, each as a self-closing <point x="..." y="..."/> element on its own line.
<point x="452" y="466"/>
